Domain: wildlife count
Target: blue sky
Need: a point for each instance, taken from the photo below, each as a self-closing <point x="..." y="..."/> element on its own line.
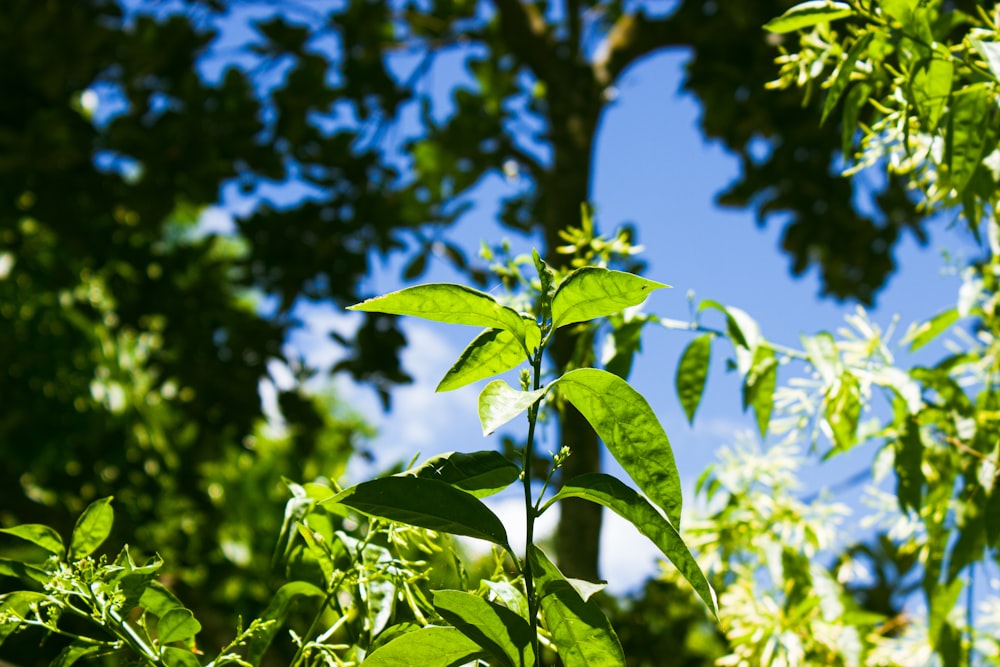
<point x="654" y="170"/>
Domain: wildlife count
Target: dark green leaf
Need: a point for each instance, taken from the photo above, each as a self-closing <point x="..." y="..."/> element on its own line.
<point x="177" y="625"/>
<point x="758" y="387"/>
<point x="76" y="650"/>
<point x="426" y="503"/>
<point x="26" y="572"/>
<point x="428" y="647"/>
<point x="452" y="304"/>
<point x="909" y="448"/>
<point x="843" y="409"/>
<point x="857" y="97"/>
<point x="580" y="631"/>
<point x="499" y="403"/>
<point x="92" y="528"/>
<point x="479" y="473"/>
<point x="494" y="351"/>
<point x="277" y="611"/>
<point x="626" y="503"/>
<point x="36" y="533"/>
<point x="692" y="373"/>
<point x="808" y="14"/>
<point x="631" y="431"/>
<point x="591" y="292"/>
<point x="843" y="78"/>
<point x="918" y="336"/>
<point x="624" y="341"/>
<point x="500" y="631"/>
<point x="966" y="138"/>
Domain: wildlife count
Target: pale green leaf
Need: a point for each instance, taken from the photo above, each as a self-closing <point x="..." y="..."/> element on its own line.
<point x="276" y="612"/>
<point x="452" y="304"/>
<point x="823" y="356"/>
<point x="479" y="473"/>
<point x="920" y="335"/>
<point x="494" y="351"/>
<point x="844" y="73"/>
<point x="177" y="625"/>
<point x="843" y="409"/>
<point x="808" y="14"/>
<point x="692" y="373"/>
<point x="991" y="52"/>
<point x="759" y="385"/>
<point x="591" y="292"/>
<point x="499" y="403"/>
<point x="92" y="528"/>
<point x="40" y="535"/>
<point x="626" y="503"/>
<point x="497" y="629"/>
<point x="426" y="503"/>
<point x="580" y="631"/>
<point x="431" y="646"/>
<point x="966" y="137"/>
<point x="931" y="86"/>
<point x="627" y="425"/>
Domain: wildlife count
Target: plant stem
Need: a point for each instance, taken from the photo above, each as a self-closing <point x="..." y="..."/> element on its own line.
<point x="530" y="512"/>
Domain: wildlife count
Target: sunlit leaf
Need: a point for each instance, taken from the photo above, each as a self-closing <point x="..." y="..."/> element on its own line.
<point x="844" y="73"/>
<point x="591" y="292"/>
<point x="843" y="409"/>
<point x="931" y="86"/>
<point x="692" y="373"/>
<point x="494" y="351"/>
<point x="499" y="403"/>
<point x="497" y="629"/>
<point x="759" y="385"/>
<point x="177" y="625"/>
<point x="580" y="630"/>
<point x="822" y="352"/>
<point x="920" y="335"/>
<point x="479" y="473"/>
<point x="627" y="425"/>
<point x="92" y="528"/>
<point x="991" y="52"/>
<point x="626" y="503"/>
<point x="431" y="646"/>
<point x="426" y="503"/>
<point x="38" y="534"/>
<point x="808" y="14"/>
<point x="743" y="331"/>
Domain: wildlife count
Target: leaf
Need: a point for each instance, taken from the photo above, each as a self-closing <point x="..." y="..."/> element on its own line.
<point x="494" y="351"/>
<point x="158" y="599"/>
<point x="631" y="431"/>
<point x="857" y="97"/>
<point x="808" y="14"/>
<point x="742" y="330"/>
<point x="591" y="292"/>
<point x="843" y="78"/>
<point x="26" y="572"/>
<point x="931" y="86"/>
<point x="942" y="603"/>
<point x="580" y="630"/>
<point x="758" y="387"/>
<point x="546" y="280"/>
<point x="497" y="629"/>
<point x="991" y="53"/>
<point x="822" y="352"/>
<point x="499" y="403"/>
<point x="431" y="646"/>
<point x="625" y="502"/>
<point x="622" y="344"/>
<point x="43" y="536"/>
<point x="452" y="304"/>
<point x="178" y="657"/>
<point x="966" y="137"/>
<point x="843" y="409"/>
<point x="277" y="611"/>
<point x="177" y="625"/>
<point x="426" y="503"/>
<point x="479" y="473"/>
<point x="909" y="448"/>
<point x="72" y="653"/>
<point x="92" y="528"/>
<point x="918" y="336"/>
<point x="692" y="373"/>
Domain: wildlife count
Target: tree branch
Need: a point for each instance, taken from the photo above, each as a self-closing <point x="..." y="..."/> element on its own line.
<point x="526" y="34"/>
<point x="632" y="37"/>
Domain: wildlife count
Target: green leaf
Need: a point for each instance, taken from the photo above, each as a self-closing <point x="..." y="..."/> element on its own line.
<point x="742" y="330"/>
<point x="92" y="528"/>
<point x="918" y="336"/>
<point x="591" y="292"/>
<point x="158" y="599"/>
<point x="546" y="280"/>
<point x="276" y="612"/>
<point x="72" y="653"/>
<point x="479" y="473"/>
<point x="942" y="603"/>
<point x="26" y="572"/>
<point x="823" y="356"/>
<point x="580" y="631"/>
<point x="178" y="657"/>
<point x="631" y="431"/>
<point x="843" y="77"/>
<point x="500" y="631"/>
<point x="843" y="409"/>
<point x="177" y="625"/>
<point x="42" y="536"/>
<point x="426" y="503"/>
<point x="966" y="138"/>
<point x="857" y="97"/>
<point x="808" y="14"/>
<point x="758" y="387"/>
<point x="625" y="502"/>
<point x="931" y="86"/>
<point x="909" y="449"/>
<point x="452" y="304"/>
<point x="991" y="52"/>
<point x="499" y="403"/>
<point x="692" y="373"/>
<point x="494" y="351"/>
<point x="431" y="646"/>
<point x="623" y="342"/>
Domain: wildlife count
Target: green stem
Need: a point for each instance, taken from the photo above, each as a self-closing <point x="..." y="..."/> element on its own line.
<point x="530" y="512"/>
